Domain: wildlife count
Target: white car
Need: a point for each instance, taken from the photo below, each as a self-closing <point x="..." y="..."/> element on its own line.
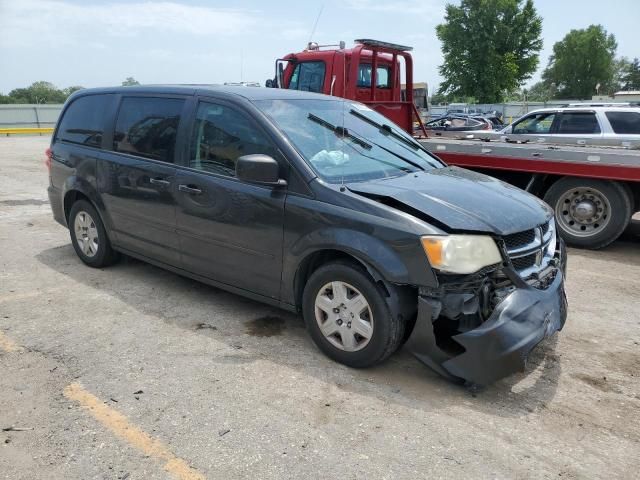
<point x="619" y="123"/>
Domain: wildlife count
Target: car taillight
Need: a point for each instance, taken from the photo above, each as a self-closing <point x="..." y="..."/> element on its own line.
<point x="47" y="161"/>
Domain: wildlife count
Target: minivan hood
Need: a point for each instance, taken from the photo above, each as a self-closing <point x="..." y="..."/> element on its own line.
<point x="460" y="199"/>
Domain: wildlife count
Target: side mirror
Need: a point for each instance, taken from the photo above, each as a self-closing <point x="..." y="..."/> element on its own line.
<point x="269" y="83"/>
<point x="260" y="169"/>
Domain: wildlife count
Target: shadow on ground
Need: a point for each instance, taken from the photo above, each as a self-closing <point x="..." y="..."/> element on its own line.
<point x="280" y="337"/>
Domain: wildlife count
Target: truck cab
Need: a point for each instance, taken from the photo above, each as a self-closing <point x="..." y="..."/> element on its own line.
<point x="369" y="73"/>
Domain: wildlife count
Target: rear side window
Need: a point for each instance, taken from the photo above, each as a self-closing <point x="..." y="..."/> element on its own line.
<point x="308" y="76"/>
<point x="624" y="122"/>
<point x="83" y="121"/>
<point x="578" y="123"/>
<point x="383" y="77"/>
<point x="147" y="127"/>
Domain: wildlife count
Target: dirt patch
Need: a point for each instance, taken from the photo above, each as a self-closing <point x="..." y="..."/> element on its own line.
<point x="267" y="326"/>
<point x="601" y="383"/>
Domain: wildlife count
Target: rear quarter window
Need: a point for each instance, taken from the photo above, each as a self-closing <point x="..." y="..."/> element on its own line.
<point x="624" y="122"/>
<point x="578" y="123"/>
<point x="84" y="120"/>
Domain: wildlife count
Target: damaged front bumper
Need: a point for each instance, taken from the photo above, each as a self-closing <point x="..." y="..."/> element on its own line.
<point x="499" y="346"/>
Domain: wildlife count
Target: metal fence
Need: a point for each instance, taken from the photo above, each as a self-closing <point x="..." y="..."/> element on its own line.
<point x="29" y="115"/>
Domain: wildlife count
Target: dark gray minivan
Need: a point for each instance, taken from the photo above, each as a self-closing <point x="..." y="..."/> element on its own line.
<point x="318" y="205"/>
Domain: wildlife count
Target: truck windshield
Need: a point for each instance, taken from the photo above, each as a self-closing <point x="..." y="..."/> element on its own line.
<point x="345" y="147"/>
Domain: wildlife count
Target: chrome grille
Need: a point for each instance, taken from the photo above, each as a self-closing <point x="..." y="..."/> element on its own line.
<point x="527" y="249"/>
<point x="521" y="263"/>
<point x="545" y="228"/>
<point x="520" y="239"/>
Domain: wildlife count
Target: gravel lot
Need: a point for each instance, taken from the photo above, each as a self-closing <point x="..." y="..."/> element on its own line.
<point x="229" y="388"/>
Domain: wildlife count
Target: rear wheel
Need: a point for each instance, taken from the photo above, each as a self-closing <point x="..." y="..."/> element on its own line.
<point x="348" y="317"/>
<point x="89" y="237"/>
<point x="589" y="213"/>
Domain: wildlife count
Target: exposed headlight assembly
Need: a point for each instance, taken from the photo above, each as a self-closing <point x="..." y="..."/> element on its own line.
<point x="461" y="254"/>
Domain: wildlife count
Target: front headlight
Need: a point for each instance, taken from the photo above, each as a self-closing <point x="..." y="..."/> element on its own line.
<point x="461" y="253"/>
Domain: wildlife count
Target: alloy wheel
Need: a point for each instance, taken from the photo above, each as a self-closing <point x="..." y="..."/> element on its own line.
<point x="86" y="234"/>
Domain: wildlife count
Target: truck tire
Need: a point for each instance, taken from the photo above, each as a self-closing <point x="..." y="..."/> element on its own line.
<point x="589" y="213"/>
<point x="348" y="318"/>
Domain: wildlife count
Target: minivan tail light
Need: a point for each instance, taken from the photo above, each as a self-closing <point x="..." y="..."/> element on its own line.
<point x="47" y="161"/>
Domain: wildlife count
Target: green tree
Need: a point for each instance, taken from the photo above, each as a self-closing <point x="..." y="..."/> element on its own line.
<point x="629" y="75"/>
<point x="490" y="47"/>
<point x="69" y="90"/>
<point x="620" y="68"/>
<point x="541" y="92"/>
<point x="581" y="61"/>
<point x="130" y="82"/>
<point x="38" y="92"/>
<point x="438" y="98"/>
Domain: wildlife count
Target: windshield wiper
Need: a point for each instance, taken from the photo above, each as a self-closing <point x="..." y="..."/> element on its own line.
<point x="339" y="131"/>
<point x="343" y="132"/>
<point x="397" y="155"/>
<point x="388" y="130"/>
<point x="385" y="129"/>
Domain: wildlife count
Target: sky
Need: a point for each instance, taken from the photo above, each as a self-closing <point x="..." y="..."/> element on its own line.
<point x="100" y="43"/>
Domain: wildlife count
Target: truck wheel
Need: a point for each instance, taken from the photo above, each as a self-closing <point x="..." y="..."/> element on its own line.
<point x="348" y="317"/>
<point x="89" y="237"/>
<point x="589" y="213"/>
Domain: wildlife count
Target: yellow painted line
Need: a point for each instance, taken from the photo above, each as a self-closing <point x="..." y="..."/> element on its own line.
<point x="121" y="427"/>
<point x="7" y="344"/>
<point x="19" y="131"/>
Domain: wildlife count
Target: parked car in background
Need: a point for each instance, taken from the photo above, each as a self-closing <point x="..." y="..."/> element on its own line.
<point x="317" y="205"/>
<point x="588" y="122"/>
<point x="458" y="123"/>
<point x="495" y="121"/>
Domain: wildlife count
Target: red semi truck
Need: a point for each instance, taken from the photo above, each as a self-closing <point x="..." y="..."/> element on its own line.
<point x="594" y="189"/>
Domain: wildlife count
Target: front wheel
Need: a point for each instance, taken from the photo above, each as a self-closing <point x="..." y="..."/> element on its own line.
<point x="589" y="213"/>
<point x="348" y="317"/>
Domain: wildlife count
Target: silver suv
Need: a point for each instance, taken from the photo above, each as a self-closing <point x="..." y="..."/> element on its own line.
<point x="616" y="123"/>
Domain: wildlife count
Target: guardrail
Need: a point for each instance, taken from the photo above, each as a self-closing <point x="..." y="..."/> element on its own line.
<point x="25" y="131"/>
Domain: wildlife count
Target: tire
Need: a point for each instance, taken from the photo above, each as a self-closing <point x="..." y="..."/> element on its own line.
<point x="589" y="213"/>
<point x="95" y="248"/>
<point x="386" y="332"/>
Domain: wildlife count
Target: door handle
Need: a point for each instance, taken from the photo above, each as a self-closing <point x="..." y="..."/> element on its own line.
<point x="189" y="190"/>
<point x="159" y="181"/>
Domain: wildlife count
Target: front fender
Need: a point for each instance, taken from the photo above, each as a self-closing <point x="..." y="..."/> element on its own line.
<point x="394" y="265"/>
